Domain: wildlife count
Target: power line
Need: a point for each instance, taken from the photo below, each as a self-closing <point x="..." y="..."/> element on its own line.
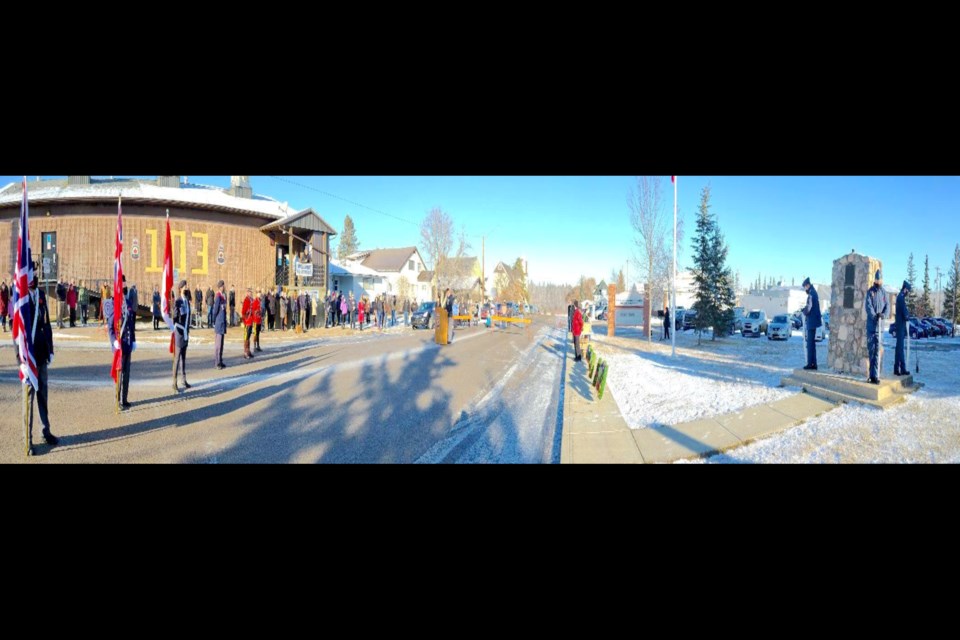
<point x="356" y="204"/>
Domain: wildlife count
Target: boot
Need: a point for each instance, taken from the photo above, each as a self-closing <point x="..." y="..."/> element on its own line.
<point x="49" y="438"/>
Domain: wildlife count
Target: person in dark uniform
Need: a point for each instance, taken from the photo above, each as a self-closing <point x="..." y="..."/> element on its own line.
<point x="899" y="362"/>
<point x="43" y="353"/>
<point x="232" y="300"/>
<point x="155" y="308"/>
<point x="666" y="323"/>
<point x="125" y="341"/>
<point x="181" y="325"/>
<point x="219" y="308"/>
<point x="208" y="301"/>
<point x="812" y="320"/>
<point x="197" y="311"/>
<point x="875" y="304"/>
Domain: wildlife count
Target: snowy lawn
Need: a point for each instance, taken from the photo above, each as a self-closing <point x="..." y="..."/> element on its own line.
<point x="926" y="428"/>
<point x="652" y="388"/>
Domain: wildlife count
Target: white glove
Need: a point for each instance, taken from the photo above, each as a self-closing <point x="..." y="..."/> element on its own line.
<point x="133" y="347"/>
<point x="50" y="359"/>
<point x="116" y="345"/>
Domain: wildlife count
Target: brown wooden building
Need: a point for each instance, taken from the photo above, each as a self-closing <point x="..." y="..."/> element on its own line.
<point x="243" y="238"/>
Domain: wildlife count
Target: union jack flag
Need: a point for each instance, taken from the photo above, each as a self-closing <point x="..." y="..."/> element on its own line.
<point x="23" y="313"/>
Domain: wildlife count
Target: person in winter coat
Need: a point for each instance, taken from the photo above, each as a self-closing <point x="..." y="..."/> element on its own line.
<point x="448" y="304"/>
<point x="72" y="303"/>
<point x="271" y="311"/>
<point x="198" y="306"/>
<point x="282" y="306"/>
<point x="811" y="321"/>
<point x="247" y="314"/>
<point x="83" y="299"/>
<point x="219" y="316"/>
<point x="232" y="301"/>
<point x="4" y="303"/>
<point x="344" y="310"/>
<point x="576" y="326"/>
<point x="155" y="307"/>
<point x="666" y="323"/>
<point x="875" y="304"/>
<point x="352" y="306"/>
<point x="181" y="331"/>
<point x="258" y="313"/>
<point x="899" y="362"/>
<point x="361" y="308"/>
<point x="125" y="341"/>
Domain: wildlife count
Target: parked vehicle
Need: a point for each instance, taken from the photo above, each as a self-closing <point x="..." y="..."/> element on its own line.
<point x="424" y="316"/>
<point x="797" y="320"/>
<point x="929" y="329"/>
<point x="689" y="317"/>
<point x="947" y="324"/>
<point x="781" y="328"/>
<point x="755" y="323"/>
<point x="678" y="318"/>
<point x="826" y="321"/>
<point x="915" y="330"/>
<point x="941" y="327"/>
<point x="738" y="315"/>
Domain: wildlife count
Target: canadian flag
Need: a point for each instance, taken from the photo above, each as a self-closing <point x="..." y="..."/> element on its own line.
<point x="166" y="285"/>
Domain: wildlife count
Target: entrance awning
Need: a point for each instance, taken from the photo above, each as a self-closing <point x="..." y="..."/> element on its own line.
<point x="307" y="220"/>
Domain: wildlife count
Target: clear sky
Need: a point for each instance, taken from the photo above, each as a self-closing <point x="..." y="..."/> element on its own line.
<point x="571" y="225"/>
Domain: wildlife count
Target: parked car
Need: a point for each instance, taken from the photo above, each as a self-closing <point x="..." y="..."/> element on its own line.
<point x="938" y="323"/>
<point x="424" y="316"/>
<point x="826" y="321"/>
<point x="689" y="317"/>
<point x="738" y="314"/>
<point x="947" y="324"/>
<point x="780" y="328"/>
<point x="928" y="329"/>
<point x="797" y="320"/>
<point x="755" y="323"/>
<point x="915" y="330"/>
<point x="678" y="318"/>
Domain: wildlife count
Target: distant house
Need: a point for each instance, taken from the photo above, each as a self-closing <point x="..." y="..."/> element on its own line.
<point x="503" y="277"/>
<point x="377" y="271"/>
<point x="465" y="277"/>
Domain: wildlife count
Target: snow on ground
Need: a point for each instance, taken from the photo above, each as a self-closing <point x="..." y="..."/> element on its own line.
<point x="925" y="428"/>
<point x="733" y="373"/>
<point x="652" y="388"/>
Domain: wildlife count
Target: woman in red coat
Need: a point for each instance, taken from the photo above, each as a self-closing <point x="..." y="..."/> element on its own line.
<point x="361" y="309"/>
<point x="577" y="330"/>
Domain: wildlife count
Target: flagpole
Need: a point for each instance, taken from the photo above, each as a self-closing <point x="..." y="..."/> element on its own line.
<point x="673" y="295"/>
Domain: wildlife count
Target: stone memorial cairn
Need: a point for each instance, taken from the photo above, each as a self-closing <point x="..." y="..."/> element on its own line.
<point x="847" y="347"/>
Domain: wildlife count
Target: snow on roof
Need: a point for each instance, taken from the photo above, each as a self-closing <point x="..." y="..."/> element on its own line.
<point x="195" y="194"/>
<point x="352" y="268"/>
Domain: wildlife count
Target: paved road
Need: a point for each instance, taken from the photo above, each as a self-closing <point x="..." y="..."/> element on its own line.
<point x="491" y="396"/>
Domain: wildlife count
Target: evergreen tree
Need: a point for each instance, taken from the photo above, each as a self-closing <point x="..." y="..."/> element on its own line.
<point x="951" y="296"/>
<point x="348" y="240"/>
<point x="712" y="278"/>
<point x="924" y="308"/>
<point x="911" y="297"/>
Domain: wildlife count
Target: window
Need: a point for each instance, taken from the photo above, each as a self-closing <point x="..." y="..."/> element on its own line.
<point x="411" y="265"/>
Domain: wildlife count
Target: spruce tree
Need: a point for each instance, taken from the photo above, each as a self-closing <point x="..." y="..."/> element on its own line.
<point x="348" y="240"/>
<point x="911" y="297"/>
<point x="725" y="298"/>
<point x="925" y="306"/>
<point x="712" y="277"/>
<point x="952" y="292"/>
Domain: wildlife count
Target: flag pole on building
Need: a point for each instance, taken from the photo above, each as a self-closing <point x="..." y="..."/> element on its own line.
<point x="673" y="294"/>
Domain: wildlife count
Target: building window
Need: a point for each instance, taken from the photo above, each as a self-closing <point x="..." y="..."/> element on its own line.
<point x="411" y="266"/>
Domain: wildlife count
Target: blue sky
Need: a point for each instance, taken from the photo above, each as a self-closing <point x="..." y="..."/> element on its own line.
<point x="570" y="225"/>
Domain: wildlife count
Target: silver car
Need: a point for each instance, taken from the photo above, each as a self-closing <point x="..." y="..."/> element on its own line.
<point x="780" y="328"/>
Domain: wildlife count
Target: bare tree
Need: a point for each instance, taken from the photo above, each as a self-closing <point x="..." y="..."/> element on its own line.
<point x="652" y="225"/>
<point x="404" y="287"/>
<point x="436" y="241"/>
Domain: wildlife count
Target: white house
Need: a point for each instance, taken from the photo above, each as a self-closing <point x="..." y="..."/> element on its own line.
<point x="377" y="271"/>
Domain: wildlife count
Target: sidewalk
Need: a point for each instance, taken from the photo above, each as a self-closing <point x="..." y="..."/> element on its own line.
<point x="595" y="432"/>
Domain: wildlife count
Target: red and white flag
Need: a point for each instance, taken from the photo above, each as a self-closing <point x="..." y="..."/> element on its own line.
<point x="119" y="304"/>
<point x="166" y="286"/>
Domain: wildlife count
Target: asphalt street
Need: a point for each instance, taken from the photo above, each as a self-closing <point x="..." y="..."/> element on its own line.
<point x="327" y="396"/>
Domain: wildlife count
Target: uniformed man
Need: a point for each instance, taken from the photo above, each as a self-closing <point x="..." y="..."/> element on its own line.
<point x="43" y="353"/>
<point x="811" y="322"/>
<point x="233" y="306"/>
<point x="219" y="308"/>
<point x="899" y="361"/>
<point x="125" y="341"/>
<point x="876" y="307"/>
<point x="181" y="325"/>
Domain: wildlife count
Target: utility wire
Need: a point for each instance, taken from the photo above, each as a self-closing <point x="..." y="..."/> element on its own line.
<point x="356" y="204"/>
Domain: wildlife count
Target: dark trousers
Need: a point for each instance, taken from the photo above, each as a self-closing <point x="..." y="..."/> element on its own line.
<point x="233" y="316"/>
<point x="210" y="315"/>
<point x="666" y="331"/>
<point x="84" y="309"/>
<point x="247" y="331"/>
<point x="218" y="349"/>
<point x="576" y="347"/>
<point x="73" y="316"/>
<point x="873" y="345"/>
<point x="811" y="345"/>
<point x="899" y="357"/>
<point x="180" y="361"/>
<point x="124" y="374"/>
<point x="41" y="394"/>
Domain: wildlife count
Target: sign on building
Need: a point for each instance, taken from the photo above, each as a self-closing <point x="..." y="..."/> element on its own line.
<point x="305" y="269"/>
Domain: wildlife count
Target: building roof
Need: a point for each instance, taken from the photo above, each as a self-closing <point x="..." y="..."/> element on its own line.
<point x="509" y="271"/>
<point x="306" y="219"/>
<point x="385" y="259"/>
<point x="352" y="269"/>
<point x="425" y="276"/>
<point x="143" y="192"/>
<point x="464" y="264"/>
